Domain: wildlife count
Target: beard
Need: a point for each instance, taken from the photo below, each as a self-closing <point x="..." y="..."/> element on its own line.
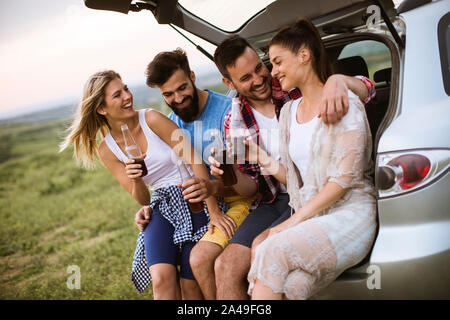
<point x="190" y="112"/>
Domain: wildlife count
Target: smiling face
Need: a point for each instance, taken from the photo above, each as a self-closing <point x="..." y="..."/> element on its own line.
<point x="118" y="100"/>
<point x="290" y="68"/>
<point x="181" y="95"/>
<point x="250" y="77"/>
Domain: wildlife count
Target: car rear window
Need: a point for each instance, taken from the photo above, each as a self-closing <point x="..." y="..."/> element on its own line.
<point x="227" y="15"/>
<point x="376" y="56"/>
<point x="444" y="50"/>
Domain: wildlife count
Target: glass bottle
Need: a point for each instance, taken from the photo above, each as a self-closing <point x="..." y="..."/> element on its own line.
<point x="226" y="163"/>
<point x="185" y="175"/>
<point x="132" y="149"/>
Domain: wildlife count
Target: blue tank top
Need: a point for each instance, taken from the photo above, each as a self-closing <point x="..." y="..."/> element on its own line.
<point x="212" y="117"/>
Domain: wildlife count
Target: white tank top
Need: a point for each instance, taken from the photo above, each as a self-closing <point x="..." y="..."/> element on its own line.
<point x="300" y="141"/>
<point x="162" y="169"/>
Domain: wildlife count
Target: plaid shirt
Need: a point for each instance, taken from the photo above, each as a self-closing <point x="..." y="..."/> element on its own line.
<point x="174" y="209"/>
<point x="269" y="186"/>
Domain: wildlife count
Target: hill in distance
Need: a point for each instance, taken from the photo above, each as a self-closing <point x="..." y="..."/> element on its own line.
<point x="143" y="96"/>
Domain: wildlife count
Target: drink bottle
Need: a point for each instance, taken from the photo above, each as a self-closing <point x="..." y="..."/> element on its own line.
<point x="132" y="149"/>
<point x="226" y="162"/>
<point x="185" y="175"/>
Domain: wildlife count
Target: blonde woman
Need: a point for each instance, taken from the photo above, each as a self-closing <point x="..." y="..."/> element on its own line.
<point x="326" y="172"/>
<point x="107" y="104"/>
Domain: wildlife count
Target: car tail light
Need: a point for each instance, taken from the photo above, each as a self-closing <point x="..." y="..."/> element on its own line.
<point x="401" y="172"/>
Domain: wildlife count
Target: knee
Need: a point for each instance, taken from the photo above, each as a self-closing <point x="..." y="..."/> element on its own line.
<point x="198" y="258"/>
<point x="223" y="265"/>
<point x="162" y="280"/>
<point x="260" y="238"/>
<point x="299" y="285"/>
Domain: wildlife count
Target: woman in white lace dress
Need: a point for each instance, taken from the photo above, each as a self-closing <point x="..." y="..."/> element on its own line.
<point x="333" y="223"/>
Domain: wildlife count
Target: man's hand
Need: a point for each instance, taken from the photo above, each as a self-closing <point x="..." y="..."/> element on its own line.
<point x="223" y="222"/>
<point x="334" y="103"/>
<point x="142" y="218"/>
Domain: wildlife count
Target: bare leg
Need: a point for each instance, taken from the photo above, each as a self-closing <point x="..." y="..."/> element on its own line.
<point x="164" y="282"/>
<point x="190" y="290"/>
<point x="202" y="259"/>
<point x="231" y="270"/>
<point x="262" y="292"/>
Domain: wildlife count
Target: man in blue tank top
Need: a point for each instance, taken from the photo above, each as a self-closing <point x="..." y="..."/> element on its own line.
<point x="212" y="116"/>
<point x="198" y="112"/>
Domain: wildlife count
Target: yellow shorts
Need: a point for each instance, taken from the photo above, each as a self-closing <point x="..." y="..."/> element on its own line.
<point x="238" y="211"/>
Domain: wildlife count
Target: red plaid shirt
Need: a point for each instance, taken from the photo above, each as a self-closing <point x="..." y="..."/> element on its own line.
<point x="269" y="186"/>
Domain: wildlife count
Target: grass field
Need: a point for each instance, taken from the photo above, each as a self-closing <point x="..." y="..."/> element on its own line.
<point x="54" y="214"/>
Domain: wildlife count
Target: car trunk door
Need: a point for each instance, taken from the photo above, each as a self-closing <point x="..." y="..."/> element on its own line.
<point x="329" y="16"/>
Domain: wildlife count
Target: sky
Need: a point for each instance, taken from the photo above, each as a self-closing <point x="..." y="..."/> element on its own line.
<point x="49" y="48"/>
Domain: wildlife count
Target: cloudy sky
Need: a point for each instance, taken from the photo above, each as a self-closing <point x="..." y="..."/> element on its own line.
<point x="48" y="48"/>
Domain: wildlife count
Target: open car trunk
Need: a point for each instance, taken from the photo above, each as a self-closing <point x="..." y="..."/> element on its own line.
<point x="329" y="16"/>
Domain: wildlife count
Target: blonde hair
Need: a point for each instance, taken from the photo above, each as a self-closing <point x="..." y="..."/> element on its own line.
<point x="87" y="122"/>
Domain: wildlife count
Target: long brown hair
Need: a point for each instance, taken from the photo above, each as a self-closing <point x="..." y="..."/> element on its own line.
<point x="87" y="122"/>
<point x="303" y="34"/>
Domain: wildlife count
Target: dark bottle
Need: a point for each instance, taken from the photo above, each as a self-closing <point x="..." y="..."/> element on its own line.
<point x="132" y="149"/>
<point x="229" y="176"/>
<point x="226" y="163"/>
<point x="185" y="175"/>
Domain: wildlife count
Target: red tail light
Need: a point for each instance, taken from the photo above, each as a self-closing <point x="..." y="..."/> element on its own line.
<point x="415" y="168"/>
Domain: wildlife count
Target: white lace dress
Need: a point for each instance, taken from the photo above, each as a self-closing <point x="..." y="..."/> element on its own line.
<point x="305" y="258"/>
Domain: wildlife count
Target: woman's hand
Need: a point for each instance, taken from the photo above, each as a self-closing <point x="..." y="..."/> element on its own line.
<point x="133" y="170"/>
<point x="278" y="228"/>
<point x="197" y="189"/>
<point x="293" y="220"/>
<point x="223" y="222"/>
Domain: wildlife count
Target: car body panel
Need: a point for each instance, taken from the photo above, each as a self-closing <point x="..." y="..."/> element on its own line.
<point x="425" y="127"/>
<point x="409" y="129"/>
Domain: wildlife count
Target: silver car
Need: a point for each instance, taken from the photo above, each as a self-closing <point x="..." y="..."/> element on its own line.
<point x="405" y="51"/>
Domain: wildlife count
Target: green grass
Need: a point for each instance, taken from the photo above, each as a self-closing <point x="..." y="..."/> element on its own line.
<point x="54" y="214"/>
